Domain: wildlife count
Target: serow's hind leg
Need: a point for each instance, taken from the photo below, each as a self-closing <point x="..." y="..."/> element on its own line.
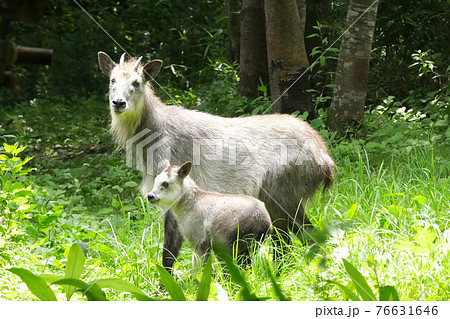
<point x="302" y="227"/>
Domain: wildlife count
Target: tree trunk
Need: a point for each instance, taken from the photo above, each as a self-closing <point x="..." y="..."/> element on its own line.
<point x="253" y="54"/>
<point x="287" y="59"/>
<point x="352" y="72"/>
<point x="301" y="7"/>
<point x="233" y="8"/>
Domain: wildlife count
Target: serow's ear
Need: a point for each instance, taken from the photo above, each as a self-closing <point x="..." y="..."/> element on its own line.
<point x="106" y="63"/>
<point x="151" y="69"/>
<point x="184" y="170"/>
<point x="165" y="165"/>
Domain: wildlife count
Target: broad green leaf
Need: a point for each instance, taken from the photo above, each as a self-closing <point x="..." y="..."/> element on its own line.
<point x="36" y="284"/>
<point x="316" y="123"/>
<point x="420" y="199"/>
<point x="346" y="291"/>
<point x="10" y="148"/>
<point x="50" y="278"/>
<point x="115" y="203"/>
<point x="205" y="283"/>
<point x="19" y="150"/>
<point x="388" y="293"/>
<point x="23" y="193"/>
<point x="122" y="285"/>
<point x="91" y="291"/>
<point x="322" y="60"/>
<point x="315" y="50"/>
<point x="108" y="162"/>
<point x="102" y="248"/>
<point x="14" y="186"/>
<point x="351" y="211"/>
<point x="13" y="149"/>
<point x="174" y="290"/>
<point x="5" y="257"/>
<point x="130" y="184"/>
<point x="425" y="236"/>
<point x="74" y="267"/>
<point x="360" y="283"/>
<point x="419" y="250"/>
<point x="105" y="210"/>
<point x="26" y="160"/>
<point x="441" y="123"/>
<point x="403" y="244"/>
<point x="313" y="35"/>
<point x="30" y="230"/>
<point x="395" y="210"/>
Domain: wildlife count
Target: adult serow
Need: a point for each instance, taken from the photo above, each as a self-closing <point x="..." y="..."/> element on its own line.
<point x="279" y="159"/>
<point x="207" y="219"/>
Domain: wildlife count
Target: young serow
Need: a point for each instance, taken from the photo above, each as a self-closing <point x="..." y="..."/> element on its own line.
<point x="209" y="218"/>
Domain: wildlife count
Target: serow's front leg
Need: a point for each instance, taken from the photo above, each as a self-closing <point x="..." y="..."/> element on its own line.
<point x="203" y="249"/>
<point x="173" y="241"/>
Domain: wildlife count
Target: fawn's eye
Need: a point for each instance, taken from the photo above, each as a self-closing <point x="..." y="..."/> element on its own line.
<point x="113" y="81"/>
<point x="164" y="185"/>
<point x="136" y="84"/>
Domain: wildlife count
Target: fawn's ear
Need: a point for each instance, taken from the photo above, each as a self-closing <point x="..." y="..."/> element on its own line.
<point x="165" y="165"/>
<point x="184" y="170"/>
<point x="151" y="69"/>
<point x="106" y="63"/>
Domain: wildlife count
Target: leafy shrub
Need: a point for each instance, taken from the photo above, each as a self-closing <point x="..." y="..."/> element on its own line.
<point x="14" y="194"/>
<point x="322" y="68"/>
<point x="40" y="285"/>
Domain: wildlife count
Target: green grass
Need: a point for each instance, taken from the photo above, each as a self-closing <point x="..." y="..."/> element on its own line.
<point x="387" y="214"/>
<point x="398" y="231"/>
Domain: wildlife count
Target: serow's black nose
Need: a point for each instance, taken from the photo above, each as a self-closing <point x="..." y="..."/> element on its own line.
<point x="119" y="104"/>
<point x="152" y="198"/>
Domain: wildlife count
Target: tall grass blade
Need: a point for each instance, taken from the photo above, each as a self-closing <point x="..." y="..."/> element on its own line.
<point x="361" y="284"/>
<point x="205" y="283"/>
<point x="236" y="274"/>
<point x="174" y="290"/>
<point x="281" y="296"/>
<point x="36" y="284"/>
<point x="74" y="267"/>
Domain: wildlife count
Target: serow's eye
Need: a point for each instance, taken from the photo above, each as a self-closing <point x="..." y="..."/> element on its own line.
<point x="136" y="84"/>
<point x="113" y="81"/>
<point x="164" y="185"/>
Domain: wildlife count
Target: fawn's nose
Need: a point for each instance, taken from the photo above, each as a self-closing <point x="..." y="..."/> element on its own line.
<point x="118" y="104"/>
<point x="152" y="198"/>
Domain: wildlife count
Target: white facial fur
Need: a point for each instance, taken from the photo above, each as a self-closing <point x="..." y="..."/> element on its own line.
<point x="167" y="189"/>
<point x="126" y="86"/>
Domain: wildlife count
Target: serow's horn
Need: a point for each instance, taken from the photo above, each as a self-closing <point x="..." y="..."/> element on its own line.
<point x="122" y="61"/>
<point x="136" y="65"/>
